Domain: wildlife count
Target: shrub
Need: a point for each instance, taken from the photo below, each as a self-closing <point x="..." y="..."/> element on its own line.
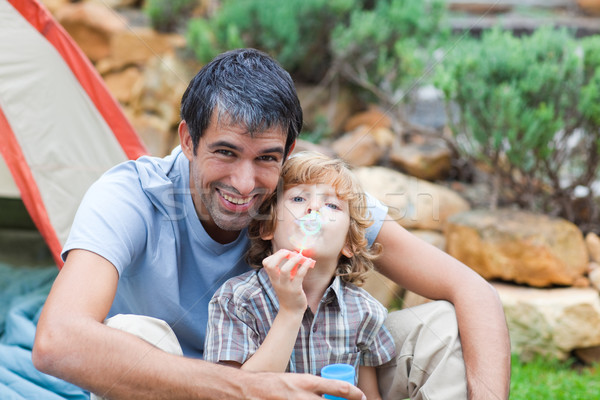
<point x="386" y="50"/>
<point x="528" y="107"/>
<point x="166" y="15"/>
<point x="295" y="32"/>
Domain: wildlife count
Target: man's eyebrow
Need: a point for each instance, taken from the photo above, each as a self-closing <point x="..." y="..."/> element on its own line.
<point x="223" y="143"/>
<point x="233" y="146"/>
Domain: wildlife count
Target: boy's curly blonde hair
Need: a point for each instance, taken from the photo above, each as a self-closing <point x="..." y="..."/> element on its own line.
<point x="315" y="168"/>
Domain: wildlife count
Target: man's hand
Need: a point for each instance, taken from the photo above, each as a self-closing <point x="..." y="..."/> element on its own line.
<point x="291" y="386"/>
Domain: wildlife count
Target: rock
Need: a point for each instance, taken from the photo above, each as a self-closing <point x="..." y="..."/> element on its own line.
<point x="411" y="299"/>
<point x="120" y="84"/>
<point x="303" y="145"/>
<point x="414" y="203"/>
<point x="518" y="246"/>
<point x="164" y="82"/>
<point x="54" y="5"/>
<point x="594" y="277"/>
<point x="358" y="148"/>
<point x="590" y="7"/>
<point x="480" y="7"/>
<point x="589" y="355"/>
<point x="155" y="132"/>
<point x="324" y="111"/>
<point x="140" y="45"/>
<point x="373" y="118"/>
<point x="550" y="322"/>
<point x="380" y="287"/>
<point x="593" y="245"/>
<point x="431" y="160"/>
<point x="91" y="25"/>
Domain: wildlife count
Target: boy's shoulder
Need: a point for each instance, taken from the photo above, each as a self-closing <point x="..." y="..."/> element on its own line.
<point x="240" y="287"/>
<point x="351" y="291"/>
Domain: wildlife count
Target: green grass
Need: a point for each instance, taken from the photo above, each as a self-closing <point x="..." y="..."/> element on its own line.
<point x="553" y="380"/>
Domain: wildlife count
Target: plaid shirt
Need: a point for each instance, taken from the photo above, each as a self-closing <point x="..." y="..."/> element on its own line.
<point x="346" y="328"/>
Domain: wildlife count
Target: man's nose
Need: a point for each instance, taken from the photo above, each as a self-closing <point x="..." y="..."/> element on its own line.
<point x="243" y="178"/>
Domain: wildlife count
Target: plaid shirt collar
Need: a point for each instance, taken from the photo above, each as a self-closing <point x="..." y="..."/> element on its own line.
<point x="334" y="291"/>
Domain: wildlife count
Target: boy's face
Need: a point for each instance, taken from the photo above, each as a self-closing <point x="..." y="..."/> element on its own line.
<point x="312" y="219"/>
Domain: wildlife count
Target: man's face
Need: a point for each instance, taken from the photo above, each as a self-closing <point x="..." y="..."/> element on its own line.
<point x="231" y="174"/>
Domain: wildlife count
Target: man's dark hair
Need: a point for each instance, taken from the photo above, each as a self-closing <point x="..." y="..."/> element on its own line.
<point x="246" y="87"/>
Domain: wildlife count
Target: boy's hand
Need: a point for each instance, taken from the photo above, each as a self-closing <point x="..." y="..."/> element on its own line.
<point x="286" y="270"/>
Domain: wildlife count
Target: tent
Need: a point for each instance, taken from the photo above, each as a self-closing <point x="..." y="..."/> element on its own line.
<point x="60" y="128"/>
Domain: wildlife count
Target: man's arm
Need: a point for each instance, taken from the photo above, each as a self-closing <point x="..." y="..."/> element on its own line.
<point x="424" y="269"/>
<point x="73" y="344"/>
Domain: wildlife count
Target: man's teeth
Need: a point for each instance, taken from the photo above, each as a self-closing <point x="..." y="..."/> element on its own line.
<point x="235" y="200"/>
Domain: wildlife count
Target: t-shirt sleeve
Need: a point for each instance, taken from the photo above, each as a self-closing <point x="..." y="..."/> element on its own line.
<point x="378" y="348"/>
<point x="231" y="333"/>
<point x="378" y="212"/>
<point x="111" y="220"/>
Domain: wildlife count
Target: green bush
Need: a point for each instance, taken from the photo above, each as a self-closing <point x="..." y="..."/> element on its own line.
<point x="529" y="108"/>
<point x="295" y="32"/>
<point x="166" y="15"/>
<point x="386" y="50"/>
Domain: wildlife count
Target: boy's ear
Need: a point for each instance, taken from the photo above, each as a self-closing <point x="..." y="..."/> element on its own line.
<point x="347" y="251"/>
<point x="265" y="235"/>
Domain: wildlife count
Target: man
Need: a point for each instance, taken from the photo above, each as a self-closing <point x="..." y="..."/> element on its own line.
<point x="156" y="237"/>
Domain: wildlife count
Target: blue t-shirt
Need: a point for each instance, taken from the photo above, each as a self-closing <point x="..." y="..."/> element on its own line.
<point x="140" y="216"/>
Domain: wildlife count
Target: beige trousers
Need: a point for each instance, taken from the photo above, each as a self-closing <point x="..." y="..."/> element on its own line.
<point x="428" y="364"/>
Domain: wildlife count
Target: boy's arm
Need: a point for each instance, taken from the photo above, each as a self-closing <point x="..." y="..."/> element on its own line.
<point x="72" y="343"/>
<point x="367" y="382"/>
<point x="424" y="269"/>
<point x="274" y="353"/>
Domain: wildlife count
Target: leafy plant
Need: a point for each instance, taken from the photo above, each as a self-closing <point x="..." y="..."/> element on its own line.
<point x="528" y="108"/>
<point x="386" y="50"/>
<point x="166" y="15"/>
<point x="295" y="32"/>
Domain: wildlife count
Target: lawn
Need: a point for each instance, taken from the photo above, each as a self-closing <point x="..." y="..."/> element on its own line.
<point x="553" y="380"/>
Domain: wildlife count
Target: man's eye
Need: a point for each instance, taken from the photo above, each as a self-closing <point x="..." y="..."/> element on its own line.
<point x="224" y="152"/>
<point x="268" y="158"/>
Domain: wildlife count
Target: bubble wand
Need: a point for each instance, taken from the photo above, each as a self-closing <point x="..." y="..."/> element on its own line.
<point x="310" y="227"/>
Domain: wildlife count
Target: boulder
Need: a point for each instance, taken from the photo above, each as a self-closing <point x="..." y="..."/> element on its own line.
<point x="430" y="160"/>
<point x="518" y="246"/>
<point x="593" y="245"/>
<point x="550" y="322"/>
<point x="414" y="203"/>
<point x="121" y="83"/>
<point x="373" y="118"/>
<point x="92" y="26"/>
<point x="359" y="148"/>
<point x="382" y="288"/>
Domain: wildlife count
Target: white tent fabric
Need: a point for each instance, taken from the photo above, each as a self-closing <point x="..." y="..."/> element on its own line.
<point x="65" y="141"/>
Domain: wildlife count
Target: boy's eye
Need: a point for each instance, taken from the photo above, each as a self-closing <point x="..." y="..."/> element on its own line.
<point x="333" y="206"/>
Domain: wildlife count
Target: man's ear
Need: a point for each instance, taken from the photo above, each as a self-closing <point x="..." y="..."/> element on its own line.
<point x="291" y="149"/>
<point x="185" y="139"/>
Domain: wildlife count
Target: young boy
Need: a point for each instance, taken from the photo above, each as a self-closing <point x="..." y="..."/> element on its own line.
<point x="302" y="310"/>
